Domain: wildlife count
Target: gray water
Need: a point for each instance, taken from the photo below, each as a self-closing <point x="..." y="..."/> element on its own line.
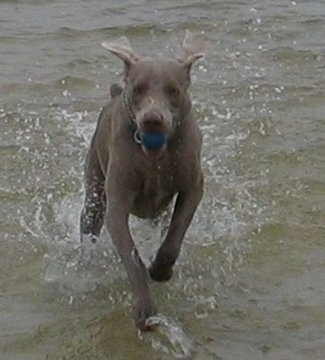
<point x="250" y="282"/>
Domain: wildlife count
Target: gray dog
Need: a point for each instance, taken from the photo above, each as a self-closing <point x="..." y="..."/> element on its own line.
<point x="145" y="150"/>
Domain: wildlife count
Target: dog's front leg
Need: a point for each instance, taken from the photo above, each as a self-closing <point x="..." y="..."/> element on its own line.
<point x="117" y="225"/>
<point x="161" y="268"/>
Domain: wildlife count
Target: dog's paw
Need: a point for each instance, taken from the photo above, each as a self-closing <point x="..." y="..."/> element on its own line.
<point x="144" y="310"/>
<point x="160" y="272"/>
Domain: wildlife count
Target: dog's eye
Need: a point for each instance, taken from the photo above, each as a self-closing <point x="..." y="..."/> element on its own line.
<point x="139" y="89"/>
<point x="173" y="92"/>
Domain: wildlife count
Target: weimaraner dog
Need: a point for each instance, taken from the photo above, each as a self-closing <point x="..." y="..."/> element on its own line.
<point x="144" y="152"/>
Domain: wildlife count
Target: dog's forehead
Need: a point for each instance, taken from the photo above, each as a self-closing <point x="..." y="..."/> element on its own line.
<point x="158" y="68"/>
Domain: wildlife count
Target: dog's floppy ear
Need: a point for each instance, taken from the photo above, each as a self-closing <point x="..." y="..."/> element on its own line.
<point x="193" y="48"/>
<point x="122" y="48"/>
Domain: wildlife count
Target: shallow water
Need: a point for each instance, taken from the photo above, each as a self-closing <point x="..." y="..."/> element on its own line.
<point x="250" y="282"/>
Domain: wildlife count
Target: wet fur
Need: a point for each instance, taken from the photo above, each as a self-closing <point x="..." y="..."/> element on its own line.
<point x="122" y="177"/>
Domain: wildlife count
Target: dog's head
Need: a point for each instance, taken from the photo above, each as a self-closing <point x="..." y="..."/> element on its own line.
<point x="155" y="92"/>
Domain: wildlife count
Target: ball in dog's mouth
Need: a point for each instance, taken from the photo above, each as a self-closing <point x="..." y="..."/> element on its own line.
<point x="153" y="141"/>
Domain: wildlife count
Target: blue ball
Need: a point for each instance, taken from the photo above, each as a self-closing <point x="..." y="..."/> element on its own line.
<point x="153" y="141"/>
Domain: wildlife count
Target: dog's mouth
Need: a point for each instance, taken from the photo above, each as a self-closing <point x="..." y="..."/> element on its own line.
<point x="152" y="132"/>
<point x="151" y="142"/>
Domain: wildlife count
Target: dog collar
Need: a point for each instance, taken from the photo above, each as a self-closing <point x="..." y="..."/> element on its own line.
<point x="128" y="109"/>
<point x="132" y="122"/>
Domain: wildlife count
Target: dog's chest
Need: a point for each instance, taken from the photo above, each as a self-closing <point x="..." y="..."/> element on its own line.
<point x="157" y="184"/>
<point x="156" y="191"/>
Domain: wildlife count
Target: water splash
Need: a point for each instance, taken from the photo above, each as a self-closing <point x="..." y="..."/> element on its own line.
<point x="169" y="337"/>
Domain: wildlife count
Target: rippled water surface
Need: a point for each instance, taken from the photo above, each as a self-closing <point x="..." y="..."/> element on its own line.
<point x="250" y="282"/>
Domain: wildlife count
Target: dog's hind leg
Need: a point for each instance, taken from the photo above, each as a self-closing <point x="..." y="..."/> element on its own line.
<point x="92" y="214"/>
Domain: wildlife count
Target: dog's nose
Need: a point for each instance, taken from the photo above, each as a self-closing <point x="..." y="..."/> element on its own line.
<point x="153" y="122"/>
